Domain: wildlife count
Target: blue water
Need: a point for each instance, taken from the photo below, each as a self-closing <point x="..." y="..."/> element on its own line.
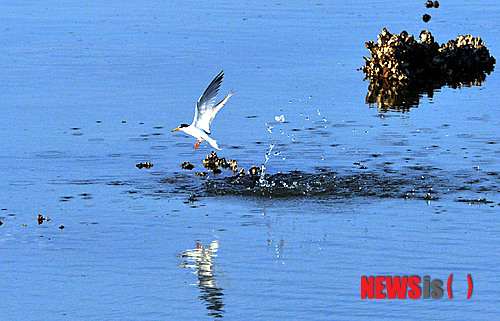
<point x="91" y="89"/>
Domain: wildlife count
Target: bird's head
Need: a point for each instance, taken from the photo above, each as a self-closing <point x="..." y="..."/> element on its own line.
<point x="181" y="127"/>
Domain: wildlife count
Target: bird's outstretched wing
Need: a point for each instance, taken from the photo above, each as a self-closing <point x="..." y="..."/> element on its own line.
<point x="219" y="106"/>
<point x="204" y="112"/>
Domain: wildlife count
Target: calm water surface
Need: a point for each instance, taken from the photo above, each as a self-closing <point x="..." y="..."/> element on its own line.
<point x="89" y="90"/>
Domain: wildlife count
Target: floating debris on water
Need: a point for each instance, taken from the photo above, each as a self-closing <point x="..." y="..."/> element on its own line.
<point x="146" y="165"/>
<point x="1" y="223"/>
<point x="40" y="219"/>
<point x="426" y="17"/>
<point x="187" y="165"/>
<point x="61" y="227"/>
<point x="401" y="68"/>
<point x="429" y="4"/>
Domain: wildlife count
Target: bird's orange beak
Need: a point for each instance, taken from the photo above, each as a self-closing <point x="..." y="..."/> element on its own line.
<point x="173" y="130"/>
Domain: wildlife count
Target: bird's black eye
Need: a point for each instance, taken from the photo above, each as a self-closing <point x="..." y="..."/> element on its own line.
<point x="183" y="125"/>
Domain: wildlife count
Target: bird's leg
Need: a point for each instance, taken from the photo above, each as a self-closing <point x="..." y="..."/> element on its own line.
<point x="197" y="144"/>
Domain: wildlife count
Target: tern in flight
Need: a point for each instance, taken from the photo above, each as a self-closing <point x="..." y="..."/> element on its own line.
<point x="204" y="113"/>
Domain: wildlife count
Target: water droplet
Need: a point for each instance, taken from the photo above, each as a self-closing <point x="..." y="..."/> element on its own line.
<point x="280" y="118"/>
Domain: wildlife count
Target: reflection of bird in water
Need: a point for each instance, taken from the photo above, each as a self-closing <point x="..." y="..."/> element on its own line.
<point x="200" y="260"/>
<point x="204" y="113"/>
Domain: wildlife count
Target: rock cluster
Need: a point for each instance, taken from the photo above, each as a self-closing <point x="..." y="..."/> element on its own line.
<point x="146" y="165"/>
<point x="40" y="219"/>
<point x="401" y="68"/>
<point x="430" y="4"/>
<point x="187" y="165"/>
<point x="213" y="162"/>
<point x="402" y="58"/>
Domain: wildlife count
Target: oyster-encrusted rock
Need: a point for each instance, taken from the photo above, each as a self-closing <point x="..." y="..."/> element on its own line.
<point x="401" y="68"/>
<point x="401" y="57"/>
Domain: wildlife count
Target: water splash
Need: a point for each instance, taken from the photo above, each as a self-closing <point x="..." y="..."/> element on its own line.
<point x="280" y="118"/>
<point x="262" y="180"/>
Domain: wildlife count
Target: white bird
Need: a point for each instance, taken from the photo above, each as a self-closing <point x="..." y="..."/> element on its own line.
<point x="204" y="113"/>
